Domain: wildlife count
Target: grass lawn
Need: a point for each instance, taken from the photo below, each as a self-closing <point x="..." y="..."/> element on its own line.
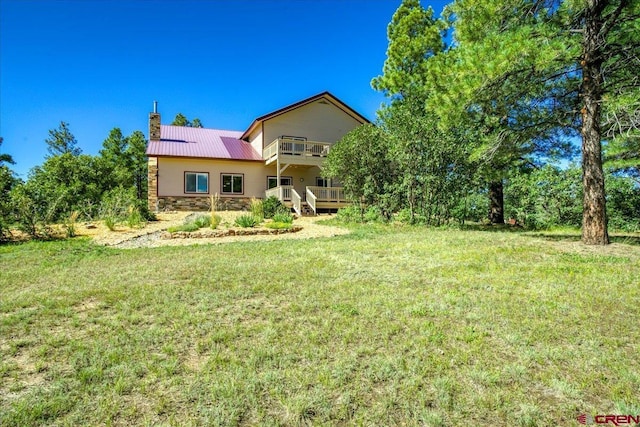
<point x="385" y="326"/>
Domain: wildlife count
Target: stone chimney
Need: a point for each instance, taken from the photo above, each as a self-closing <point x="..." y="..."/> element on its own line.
<point x="154" y="123"/>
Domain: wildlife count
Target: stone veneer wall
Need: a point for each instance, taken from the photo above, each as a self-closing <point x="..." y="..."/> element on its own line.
<point x="200" y="203"/>
<point x="154" y="126"/>
<point x="152" y="183"/>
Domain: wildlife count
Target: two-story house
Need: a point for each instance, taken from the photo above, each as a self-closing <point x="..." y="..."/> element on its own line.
<point x="280" y="154"/>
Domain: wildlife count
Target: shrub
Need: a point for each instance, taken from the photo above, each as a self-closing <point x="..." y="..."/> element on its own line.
<point x="121" y="205"/>
<point x="193" y="224"/>
<point x="188" y="226"/>
<point x="32" y="218"/>
<point x="257" y="208"/>
<point x="135" y="219"/>
<point x="404" y="216"/>
<point x="110" y="221"/>
<point x="215" y="221"/>
<point x="373" y="214"/>
<point x="245" y="221"/>
<point x="70" y="224"/>
<point x="351" y="213"/>
<point x="270" y="206"/>
<point x="285" y="217"/>
<point x="202" y="221"/>
<point x="277" y="225"/>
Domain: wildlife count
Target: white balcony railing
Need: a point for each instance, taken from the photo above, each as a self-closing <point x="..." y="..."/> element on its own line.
<point x="304" y="150"/>
<point x="311" y="200"/>
<point x="330" y="197"/>
<point x="282" y="192"/>
<point x="328" y="194"/>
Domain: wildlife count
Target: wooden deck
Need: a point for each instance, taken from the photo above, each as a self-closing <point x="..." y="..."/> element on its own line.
<point x="315" y="198"/>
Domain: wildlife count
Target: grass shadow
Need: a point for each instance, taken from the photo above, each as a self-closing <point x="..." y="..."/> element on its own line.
<point x="625" y="239"/>
<point x="492" y="228"/>
<point x="554" y="236"/>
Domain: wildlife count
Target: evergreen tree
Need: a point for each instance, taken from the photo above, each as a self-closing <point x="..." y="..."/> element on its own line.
<point x="62" y="141"/>
<point x="533" y="72"/>
<point x="181" y="120"/>
<point x="4" y="157"/>
<point x="136" y="152"/>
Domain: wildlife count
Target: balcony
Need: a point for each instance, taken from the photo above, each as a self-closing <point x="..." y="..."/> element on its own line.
<point x="297" y="152"/>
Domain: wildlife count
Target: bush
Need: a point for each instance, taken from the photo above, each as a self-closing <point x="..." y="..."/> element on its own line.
<point x="110" y="222"/>
<point x="245" y="221"/>
<point x="351" y="213"/>
<point x="270" y="206"/>
<point x="202" y="221"/>
<point x="32" y="218"/>
<point x="257" y="208"/>
<point x="404" y="216"/>
<point x="285" y="217"/>
<point x="70" y="224"/>
<point x="135" y="218"/>
<point x="121" y="205"/>
<point x="215" y="221"/>
<point x="373" y="214"/>
<point x="193" y="224"/>
<point x="188" y="226"/>
<point x="277" y="225"/>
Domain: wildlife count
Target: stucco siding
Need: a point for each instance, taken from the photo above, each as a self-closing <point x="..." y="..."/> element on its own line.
<point x="255" y="138"/>
<point x="171" y="176"/>
<point x="317" y="121"/>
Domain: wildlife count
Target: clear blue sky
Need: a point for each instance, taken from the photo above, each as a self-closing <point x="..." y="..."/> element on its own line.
<point x="100" y="64"/>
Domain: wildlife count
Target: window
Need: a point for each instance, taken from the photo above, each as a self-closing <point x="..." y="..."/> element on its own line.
<point x="322" y="182"/>
<point x="196" y="182"/>
<point x="284" y="180"/>
<point x="232" y="183"/>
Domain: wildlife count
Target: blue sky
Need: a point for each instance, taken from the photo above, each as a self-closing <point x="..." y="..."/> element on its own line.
<point x="100" y="64"/>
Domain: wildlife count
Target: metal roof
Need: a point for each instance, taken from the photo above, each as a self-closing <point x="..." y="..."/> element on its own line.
<point x="181" y="141"/>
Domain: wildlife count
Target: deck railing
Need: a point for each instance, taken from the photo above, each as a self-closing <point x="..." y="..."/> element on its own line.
<point x="314" y="195"/>
<point x="327" y="194"/>
<point x="291" y="147"/>
<point x="296" y="201"/>
<point x="282" y="192"/>
<point x="311" y="200"/>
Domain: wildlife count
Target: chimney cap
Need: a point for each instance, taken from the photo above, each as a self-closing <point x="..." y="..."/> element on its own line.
<point x="155" y="106"/>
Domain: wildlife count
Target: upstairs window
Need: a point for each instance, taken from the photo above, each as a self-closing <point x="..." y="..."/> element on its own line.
<point x="196" y="182"/>
<point x="232" y="183"/>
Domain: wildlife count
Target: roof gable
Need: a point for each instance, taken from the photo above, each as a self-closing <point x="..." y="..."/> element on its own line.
<point x="326" y="95"/>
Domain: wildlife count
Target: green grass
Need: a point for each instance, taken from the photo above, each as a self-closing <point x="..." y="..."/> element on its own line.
<point x="386" y="326"/>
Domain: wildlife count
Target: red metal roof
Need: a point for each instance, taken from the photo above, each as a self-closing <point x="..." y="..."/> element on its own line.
<point x="180" y="141"/>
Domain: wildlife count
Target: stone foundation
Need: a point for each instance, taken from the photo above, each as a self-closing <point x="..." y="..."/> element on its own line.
<point x="201" y="203"/>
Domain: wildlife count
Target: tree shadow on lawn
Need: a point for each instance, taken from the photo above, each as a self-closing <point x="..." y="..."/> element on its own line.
<point x="558" y="236"/>
<point x="621" y="238"/>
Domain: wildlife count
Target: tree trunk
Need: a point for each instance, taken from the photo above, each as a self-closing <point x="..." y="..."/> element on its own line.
<point x="496" y="202"/>
<point x="594" y="214"/>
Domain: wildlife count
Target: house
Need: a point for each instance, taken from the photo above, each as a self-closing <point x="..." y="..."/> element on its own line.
<point x="280" y="154"/>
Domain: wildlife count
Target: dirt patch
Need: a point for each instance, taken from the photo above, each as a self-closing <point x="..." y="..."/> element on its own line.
<point x="150" y="236"/>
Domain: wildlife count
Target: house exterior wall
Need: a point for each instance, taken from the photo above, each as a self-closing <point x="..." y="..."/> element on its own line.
<point x="323" y="122"/>
<point x="255" y="138"/>
<point x="171" y="193"/>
